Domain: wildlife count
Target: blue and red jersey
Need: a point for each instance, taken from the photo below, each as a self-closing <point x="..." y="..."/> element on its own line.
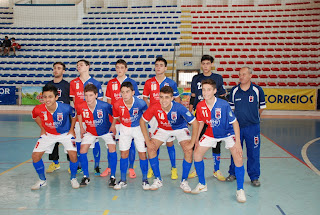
<point x="152" y="89"/>
<point x="114" y="86"/>
<point x="219" y="119"/>
<point x="97" y="122"/>
<point x="129" y="118"/>
<point x="77" y="89"/>
<point x="55" y="123"/>
<point x="176" y="118"/>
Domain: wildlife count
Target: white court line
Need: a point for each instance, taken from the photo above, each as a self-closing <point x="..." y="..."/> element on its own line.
<point x="305" y="156"/>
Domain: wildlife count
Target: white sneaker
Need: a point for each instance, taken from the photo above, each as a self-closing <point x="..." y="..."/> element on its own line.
<point x="185" y="186"/>
<point x="121" y="184"/>
<point x="157" y="183"/>
<point x="39" y="184"/>
<point x="74" y="183"/>
<point x="241" y="196"/>
<point x="199" y="188"/>
<point x="145" y="185"/>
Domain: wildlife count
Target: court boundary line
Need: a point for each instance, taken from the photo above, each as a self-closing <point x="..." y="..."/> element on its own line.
<point x="8" y="170"/>
<point x="286" y="150"/>
<point x="305" y="156"/>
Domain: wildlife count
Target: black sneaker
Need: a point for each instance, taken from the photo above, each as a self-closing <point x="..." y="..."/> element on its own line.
<point x="231" y="178"/>
<point x="112" y="182"/>
<point x="255" y="183"/>
<point x="84" y="182"/>
<point x="97" y="171"/>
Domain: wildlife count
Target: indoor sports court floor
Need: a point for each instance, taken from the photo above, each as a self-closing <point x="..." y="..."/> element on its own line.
<point x="288" y="187"/>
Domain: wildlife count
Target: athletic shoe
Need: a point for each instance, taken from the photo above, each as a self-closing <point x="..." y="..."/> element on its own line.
<point x="84" y="182"/>
<point x="241" y="196"/>
<point x="199" y="188"/>
<point x="121" y="184"/>
<point x="132" y="173"/>
<point x="146" y="185"/>
<point x="74" y="183"/>
<point x="255" y="183"/>
<point x="112" y="181"/>
<point x="157" y="183"/>
<point x="174" y="173"/>
<point x="184" y="185"/>
<point x="53" y="167"/>
<point x="150" y="173"/>
<point x="97" y="171"/>
<point x="79" y="171"/>
<point x="219" y="175"/>
<point x="106" y="172"/>
<point x="39" y="184"/>
<point x="231" y="178"/>
<point x="69" y="171"/>
<point x="193" y="174"/>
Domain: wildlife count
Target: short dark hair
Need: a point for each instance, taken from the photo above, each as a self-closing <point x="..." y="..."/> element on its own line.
<point x="121" y="61"/>
<point x="167" y="90"/>
<point x="13" y="38"/>
<point x="207" y="57"/>
<point x="62" y="64"/>
<point x="85" y="61"/>
<point x="50" y="88"/>
<point x="210" y="82"/>
<point x="161" y="59"/>
<point x="91" y="87"/>
<point x="128" y="85"/>
<point x="6" y="37"/>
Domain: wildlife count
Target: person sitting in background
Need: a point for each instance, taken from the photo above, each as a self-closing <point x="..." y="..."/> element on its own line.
<point x="6" y="45"/>
<point x="14" y="46"/>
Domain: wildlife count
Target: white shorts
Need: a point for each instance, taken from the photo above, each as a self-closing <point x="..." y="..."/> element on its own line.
<point x="117" y="131"/>
<point x="77" y="131"/>
<point x="88" y="138"/>
<point x="126" y="136"/>
<point x="164" y="135"/>
<point x="46" y="143"/>
<point x="212" y="142"/>
<point x="153" y="126"/>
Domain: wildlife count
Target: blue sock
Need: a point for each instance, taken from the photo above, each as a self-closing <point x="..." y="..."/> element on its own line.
<point x="132" y="155"/>
<point x="108" y="158"/>
<point x="200" y="171"/>
<point x="39" y="167"/>
<point x="216" y="161"/>
<point x="185" y="169"/>
<point x="240" y="177"/>
<point x="84" y="164"/>
<point x="73" y="169"/>
<point x="78" y="144"/>
<point x="144" y="169"/>
<point x="113" y="163"/>
<point x="55" y="161"/>
<point x="96" y="154"/>
<point x="154" y="163"/>
<point x="172" y="155"/>
<point x="124" y="168"/>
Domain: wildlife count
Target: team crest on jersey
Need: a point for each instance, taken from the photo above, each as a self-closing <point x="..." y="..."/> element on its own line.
<point x="218" y="113"/>
<point x="251" y="98"/>
<point x="59" y="92"/>
<point x="135" y="111"/>
<point x="100" y="114"/>
<point x="166" y="84"/>
<point x="174" y="116"/>
<point x="256" y="141"/>
<point x="59" y="117"/>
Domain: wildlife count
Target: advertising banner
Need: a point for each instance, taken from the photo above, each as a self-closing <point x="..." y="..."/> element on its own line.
<point x="31" y="95"/>
<point x="185" y="94"/>
<point x="290" y="99"/>
<point x="7" y="95"/>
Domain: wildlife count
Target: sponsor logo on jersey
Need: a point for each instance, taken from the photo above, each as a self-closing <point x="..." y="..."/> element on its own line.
<point x="231" y="113"/>
<point x="213" y="122"/>
<point x="100" y="114"/>
<point x="174" y="115"/>
<point x="59" y="117"/>
<point x="218" y="113"/>
<point x="135" y="111"/>
<point x="251" y="98"/>
<point x="188" y="113"/>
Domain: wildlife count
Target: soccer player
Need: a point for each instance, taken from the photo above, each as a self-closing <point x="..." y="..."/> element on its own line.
<point x="77" y="86"/>
<point x="222" y="125"/>
<point x="63" y="88"/>
<point x="152" y="90"/>
<point x="54" y="121"/>
<point x="129" y="110"/>
<point x="95" y="114"/>
<point x="196" y="97"/>
<point x="248" y="102"/>
<point x="113" y="94"/>
<point x="172" y="119"/>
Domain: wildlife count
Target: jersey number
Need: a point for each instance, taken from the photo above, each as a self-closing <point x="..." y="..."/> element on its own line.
<point x="161" y="116"/>
<point x="114" y="87"/>
<point x="153" y="87"/>
<point x="205" y="113"/>
<point x="85" y="114"/>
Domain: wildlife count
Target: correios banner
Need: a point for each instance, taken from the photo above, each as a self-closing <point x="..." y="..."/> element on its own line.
<point x="290" y="99"/>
